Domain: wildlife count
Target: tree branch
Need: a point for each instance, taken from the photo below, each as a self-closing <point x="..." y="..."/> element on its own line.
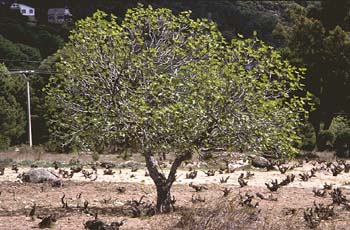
<point x="178" y="160"/>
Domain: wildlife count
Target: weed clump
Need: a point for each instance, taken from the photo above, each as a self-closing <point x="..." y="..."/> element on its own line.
<point x="219" y="215"/>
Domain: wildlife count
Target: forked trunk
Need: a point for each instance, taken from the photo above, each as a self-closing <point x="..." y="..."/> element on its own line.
<point x="163" y="184"/>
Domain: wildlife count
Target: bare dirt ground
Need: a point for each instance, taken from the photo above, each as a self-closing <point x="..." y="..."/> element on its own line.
<point x="17" y="198"/>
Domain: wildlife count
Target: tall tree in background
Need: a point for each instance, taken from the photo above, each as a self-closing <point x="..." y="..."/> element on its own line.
<point x="325" y="54"/>
<point x="168" y="83"/>
<point x="335" y="14"/>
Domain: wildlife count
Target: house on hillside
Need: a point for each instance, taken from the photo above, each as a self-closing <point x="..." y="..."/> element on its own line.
<point x="23" y="9"/>
<point x="5" y="2"/>
<point x="59" y="15"/>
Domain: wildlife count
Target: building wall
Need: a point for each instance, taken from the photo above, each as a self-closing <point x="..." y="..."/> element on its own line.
<point x="59" y="16"/>
<point x="27" y="11"/>
<point x="23" y="9"/>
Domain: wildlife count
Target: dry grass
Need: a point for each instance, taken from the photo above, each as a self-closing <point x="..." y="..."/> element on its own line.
<point x="229" y="214"/>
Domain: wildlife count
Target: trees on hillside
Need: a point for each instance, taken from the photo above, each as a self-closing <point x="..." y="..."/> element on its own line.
<point x="45" y="38"/>
<point x="164" y="83"/>
<point x="232" y="17"/>
<point x="18" y="55"/>
<point x="313" y="43"/>
<point x="325" y="54"/>
<point x="333" y="15"/>
<point x="12" y="116"/>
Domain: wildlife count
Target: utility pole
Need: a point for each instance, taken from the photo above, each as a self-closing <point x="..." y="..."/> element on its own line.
<point x="29" y="113"/>
<point x="26" y="74"/>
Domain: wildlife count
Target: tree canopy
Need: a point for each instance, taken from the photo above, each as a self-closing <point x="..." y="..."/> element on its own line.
<point x="167" y="83"/>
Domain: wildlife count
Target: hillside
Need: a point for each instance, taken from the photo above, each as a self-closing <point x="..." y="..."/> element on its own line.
<point x="26" y="46"/>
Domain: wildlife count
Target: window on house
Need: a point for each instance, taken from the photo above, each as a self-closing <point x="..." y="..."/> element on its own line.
<point x="23" y="11"/>
<point x="31" y="11"/>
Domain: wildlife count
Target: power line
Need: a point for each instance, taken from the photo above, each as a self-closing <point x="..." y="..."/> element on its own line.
<point x="12" y="60"/>
<point x="18" y="71"/>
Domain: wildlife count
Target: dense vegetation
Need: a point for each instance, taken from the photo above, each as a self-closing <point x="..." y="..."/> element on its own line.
<point x="313" y="35"/>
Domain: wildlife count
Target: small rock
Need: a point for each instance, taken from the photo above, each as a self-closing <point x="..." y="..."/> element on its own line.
<point x="232" y="167"/>
<point x="107" y="165"/>
<point x="260" y="162"/>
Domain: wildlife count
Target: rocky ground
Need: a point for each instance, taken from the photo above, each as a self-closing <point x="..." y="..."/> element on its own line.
<point x="105" y="196"/>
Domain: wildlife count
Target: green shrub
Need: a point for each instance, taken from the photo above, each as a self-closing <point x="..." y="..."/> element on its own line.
<point x="51" y="146"/>
<point x="56" y="146"/>
<point x="325" y="139"/>
<point x="339" y="124"/>
<point x="342" y="143"/>
<point x="308" y="145"/>
<point x="25" y="149"/>
<point x="74" y="161"/>
<point x="95" y="156"/>
<point x="4" y="142"/>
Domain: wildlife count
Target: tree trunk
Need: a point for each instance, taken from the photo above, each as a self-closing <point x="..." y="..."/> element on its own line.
<point x="328" y="120"/>
<point x="315" y="121"/>
<point x="163" y="184"/>
<point x="163" y="199"/>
